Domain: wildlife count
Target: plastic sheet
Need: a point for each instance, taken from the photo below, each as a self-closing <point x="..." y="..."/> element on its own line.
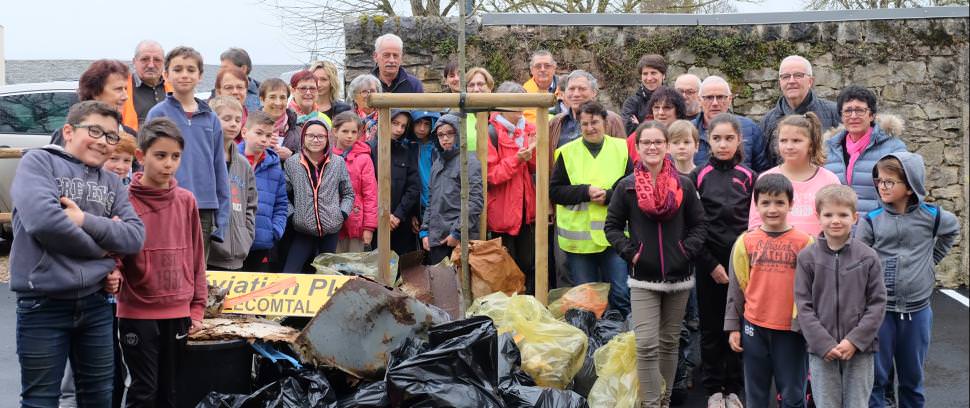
<point x="616" y="366"/>
<point x="353" y="264"/>
<point x="588" y="296"/>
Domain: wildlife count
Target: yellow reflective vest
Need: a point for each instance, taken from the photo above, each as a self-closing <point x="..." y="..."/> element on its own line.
<point x="580" y="226"/>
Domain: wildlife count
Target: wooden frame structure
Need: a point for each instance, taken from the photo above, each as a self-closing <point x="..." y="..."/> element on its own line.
<point x="538" y="101"/>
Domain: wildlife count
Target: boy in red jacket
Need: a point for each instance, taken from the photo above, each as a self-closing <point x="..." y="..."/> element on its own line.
<point x="163" y="295"/>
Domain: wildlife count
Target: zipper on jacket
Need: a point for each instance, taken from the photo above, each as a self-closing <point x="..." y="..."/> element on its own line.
<point x="838" y="315"/>
<point x="660" y="237"/>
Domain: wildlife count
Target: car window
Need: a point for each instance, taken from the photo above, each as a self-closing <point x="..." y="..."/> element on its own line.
<point x="40" y="112"/>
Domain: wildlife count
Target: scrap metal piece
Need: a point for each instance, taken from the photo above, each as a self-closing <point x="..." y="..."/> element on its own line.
<point x="356" y="330"/>
<point x="434" y="285"/>
<point x="215" y="300"/>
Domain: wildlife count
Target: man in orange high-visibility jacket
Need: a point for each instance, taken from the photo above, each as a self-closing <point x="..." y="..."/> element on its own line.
<point x="146" y="87"/>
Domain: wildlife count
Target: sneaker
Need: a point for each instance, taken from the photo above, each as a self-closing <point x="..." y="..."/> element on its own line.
<point x="716" y="401"/>
<point x="732" y="401"/>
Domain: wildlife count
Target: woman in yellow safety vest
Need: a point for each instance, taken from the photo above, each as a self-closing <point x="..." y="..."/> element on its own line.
<point x="585" y="171"/>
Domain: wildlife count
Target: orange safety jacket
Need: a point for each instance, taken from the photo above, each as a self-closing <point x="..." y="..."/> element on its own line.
<point x="129" y="117"/>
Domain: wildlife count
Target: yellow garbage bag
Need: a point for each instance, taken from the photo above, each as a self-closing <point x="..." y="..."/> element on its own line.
<point x="616" y="366"/>
<point x="552" y="351"/>
<point x="593" y="297"/>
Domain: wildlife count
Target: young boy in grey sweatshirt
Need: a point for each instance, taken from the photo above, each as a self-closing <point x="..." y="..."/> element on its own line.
<point x="840" y="300"/>
<point x="911" y="237"/>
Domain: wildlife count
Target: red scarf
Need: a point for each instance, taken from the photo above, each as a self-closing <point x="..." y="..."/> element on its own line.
<point x="659" y="200"/>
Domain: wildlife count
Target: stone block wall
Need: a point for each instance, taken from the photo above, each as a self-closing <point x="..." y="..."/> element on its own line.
<point x="917" y="67"/>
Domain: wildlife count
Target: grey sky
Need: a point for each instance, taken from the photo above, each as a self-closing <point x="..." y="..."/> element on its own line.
<point x="72" y="29"/>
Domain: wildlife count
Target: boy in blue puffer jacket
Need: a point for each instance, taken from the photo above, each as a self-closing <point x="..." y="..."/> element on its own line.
<point x="911" y="237"/>
<point x="258" y="137"/>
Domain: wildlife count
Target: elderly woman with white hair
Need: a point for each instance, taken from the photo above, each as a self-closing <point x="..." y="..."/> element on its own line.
<point x="358" y="90"/>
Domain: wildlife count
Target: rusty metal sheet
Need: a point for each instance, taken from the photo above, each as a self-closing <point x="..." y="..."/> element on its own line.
<point x="435" y="285"/>
<point x="356" y="330"/>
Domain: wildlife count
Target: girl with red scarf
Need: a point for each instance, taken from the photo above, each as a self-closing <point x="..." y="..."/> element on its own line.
<point x="663" y="214"/>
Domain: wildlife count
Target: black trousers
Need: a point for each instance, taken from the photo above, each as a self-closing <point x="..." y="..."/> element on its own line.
<point x="151" y="350"/>
<point x="522" y="249"/>
<point x="721" y="367"/>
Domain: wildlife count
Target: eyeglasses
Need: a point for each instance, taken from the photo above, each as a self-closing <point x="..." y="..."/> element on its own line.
<point x="652" y="143"/>
<point x="367" y="91"/>
<point x="887" y="184"/>
<point x="543" y="66"/>
<point x="230" y="88"/>
<point x="796" y="75"/>
<point x="96" y="132"/>
<point x="719" y="98"/>
<point x="687" y="92"/>
<point x="316" y="136"/>
<point x="447" y="134"/>
<point x="859" y="112"/>
<point x="306" y="89"/>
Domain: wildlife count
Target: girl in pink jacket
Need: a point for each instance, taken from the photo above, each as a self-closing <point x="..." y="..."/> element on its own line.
<point x="357" y="234"/>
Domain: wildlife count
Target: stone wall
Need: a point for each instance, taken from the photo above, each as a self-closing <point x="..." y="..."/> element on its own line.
<point x="917" y="67"/>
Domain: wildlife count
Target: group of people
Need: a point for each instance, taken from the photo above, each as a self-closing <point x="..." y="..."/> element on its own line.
<point x="699" y="218"/>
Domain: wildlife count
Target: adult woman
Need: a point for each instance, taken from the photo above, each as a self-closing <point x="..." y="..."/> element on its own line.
<point x="664" y="216"/>
<point x="273" y="94"/>
<point x="328" y="89"/>
<point x="359" y="88"/>
<point x="477" y="80"/>
<point x="665" y="105"/>
<point x="232" y="82"/>
<point x="105" y="80"/>
<point x="451" y="77"/>
<point x="853" y="152"/>
<point x="304" y="101"/>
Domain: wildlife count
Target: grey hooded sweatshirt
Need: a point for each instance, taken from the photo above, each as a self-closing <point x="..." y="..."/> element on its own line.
<point x="906" y="243"/>
<point x="443" y="214"/>
<point x="50" y="255"/>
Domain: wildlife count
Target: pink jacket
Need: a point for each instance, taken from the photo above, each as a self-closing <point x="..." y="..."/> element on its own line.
<point x="362" y="178"/>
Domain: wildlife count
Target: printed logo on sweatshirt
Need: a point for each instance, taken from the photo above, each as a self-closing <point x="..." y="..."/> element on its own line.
<point x="86" y="193"/>
<point x="890" y="266"/>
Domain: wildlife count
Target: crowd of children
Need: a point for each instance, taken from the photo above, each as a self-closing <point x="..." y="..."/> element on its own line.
<point x="777" y="271"/>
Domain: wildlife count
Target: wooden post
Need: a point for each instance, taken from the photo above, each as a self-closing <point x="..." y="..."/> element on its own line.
<point x="10" y="153"/>
<point x="482" y="150"/>
<point x="542" y="206"/>
<point x="384" y="196"/>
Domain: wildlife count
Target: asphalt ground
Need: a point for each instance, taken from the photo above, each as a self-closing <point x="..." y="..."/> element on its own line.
<point x="947" y="368"/>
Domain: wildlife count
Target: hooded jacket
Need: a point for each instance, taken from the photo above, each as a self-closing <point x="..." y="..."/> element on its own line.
<point x="827" y="111"/>
<point x="50" y="255"/>
<point x="203" y="167"/>
<point x="443" y="215"/>
<point x="166" y="280"/>
<point x="665" y="247"/>
<point x="271" y="210"/>
<point x="405" y="182"/>
<point x="425" y="153"/>
<point x="293" y="138"/>
<point x="511" y="191"/>
<point x="906" y="243"/>
<point x="363" y="216"/>
<point x="635" y="106"/>
<point x="725" y="188"/>
<point x="243" y="197"/>
<point x="884" y="140"/>
<point x="839" y="295"/>
<point x="319" y="206"/>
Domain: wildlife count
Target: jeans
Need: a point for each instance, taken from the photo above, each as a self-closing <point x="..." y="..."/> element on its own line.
<point x="604" y="266"/>
<point x="51" y="331"/>
<point x="305" y="248"/>
<point x="904" y="339"/>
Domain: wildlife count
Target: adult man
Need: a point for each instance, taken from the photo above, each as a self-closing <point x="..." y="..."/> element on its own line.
<point x="716" y="98"/>
<point x="542" y="66"/>
<point x="388" y="55"/>
<point x="581" y="87"/>
<point x="796" y="81"/>
<point x="146" y="87"/>
<point x="652" y="69"/>
<point x="239" y="58"/>
<point x="689" y="86"/>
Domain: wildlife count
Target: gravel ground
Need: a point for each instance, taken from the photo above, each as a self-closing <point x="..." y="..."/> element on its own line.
<point x="4" y="275"/>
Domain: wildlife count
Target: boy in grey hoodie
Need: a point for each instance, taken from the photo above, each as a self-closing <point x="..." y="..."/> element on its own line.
<point x="71" y="219"/>
<point x="911" y="237"/>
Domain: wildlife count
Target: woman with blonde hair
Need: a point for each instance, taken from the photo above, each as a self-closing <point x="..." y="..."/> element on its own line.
<point x="328" y="89"/>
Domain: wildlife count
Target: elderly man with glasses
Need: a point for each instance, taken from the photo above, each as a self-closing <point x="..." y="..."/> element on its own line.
<point x="716" y="98"/>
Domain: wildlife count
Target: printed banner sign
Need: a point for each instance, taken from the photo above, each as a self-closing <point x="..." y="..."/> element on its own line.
<point x="275" y="294"/>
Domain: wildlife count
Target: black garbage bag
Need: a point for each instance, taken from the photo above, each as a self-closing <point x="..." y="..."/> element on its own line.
<point x="609" y="326"/>
<point x="599" y="333"/>
<point x="456" y="369"/>
<point x="519" y="390"/>
<point x="306" y="388"/>
<point x="370" y="395"/>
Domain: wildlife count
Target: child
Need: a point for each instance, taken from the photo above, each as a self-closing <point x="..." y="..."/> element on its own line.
<point x="684" y="139"/>
<point x="441" y="225"/>
<point x="258" y="137"/>
<point x="322" y="196"/>
<point x="204" y="171"/>
<point x="800" y="147"/>
<point x="841" y="300"/>
<point x="357" y="234"/>
<point x="405" y="182"/>
<point x="725" y="186"/>
<point x="162" y="298"/>
<point x="512" y="192"/>
<point x="423" y="123"/>
<point x="121" y="160"/>
<point x="911" y="237"/>
<point x="70" y="216"/>
<point x="232" y="252"/>
<point x="663" y="215"/>
<point x="761" y="292"/>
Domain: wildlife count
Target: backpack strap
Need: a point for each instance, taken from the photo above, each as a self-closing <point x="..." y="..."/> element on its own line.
<point x="935" y="210"/>
<point x="493" y="135"/>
